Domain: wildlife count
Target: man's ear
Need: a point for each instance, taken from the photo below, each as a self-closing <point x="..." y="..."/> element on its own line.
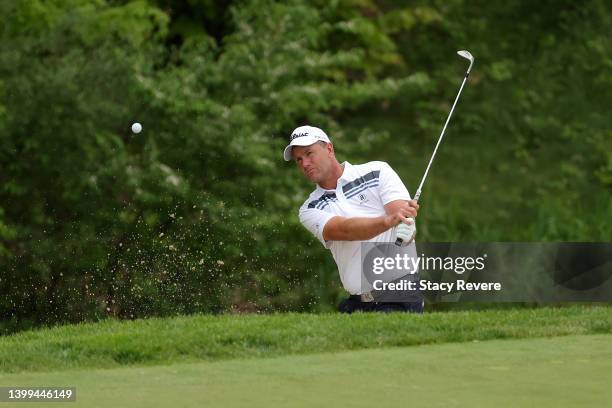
<point x="330" y="149"/>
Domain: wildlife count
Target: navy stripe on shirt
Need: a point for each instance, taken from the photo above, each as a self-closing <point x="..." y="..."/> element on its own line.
<point x="363" y="187"/>
<point x="323" y="201"/>
<point x="352" y="186"/>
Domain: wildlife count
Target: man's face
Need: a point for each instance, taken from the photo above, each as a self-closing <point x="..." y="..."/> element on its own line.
<point x="314" y="161"/>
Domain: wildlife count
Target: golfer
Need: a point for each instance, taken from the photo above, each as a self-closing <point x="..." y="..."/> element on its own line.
<point x="352" y="204"/>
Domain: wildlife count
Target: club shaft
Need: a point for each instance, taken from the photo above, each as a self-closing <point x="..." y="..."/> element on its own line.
<point x="418" y="192"/>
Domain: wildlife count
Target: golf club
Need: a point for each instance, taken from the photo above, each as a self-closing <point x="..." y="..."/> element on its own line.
<point x="412" y="228"/>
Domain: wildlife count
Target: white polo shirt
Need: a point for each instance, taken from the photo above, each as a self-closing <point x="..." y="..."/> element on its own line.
<point x="362" y="191"/>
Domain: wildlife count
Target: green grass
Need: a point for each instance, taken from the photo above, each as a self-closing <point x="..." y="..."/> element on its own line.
<point x="571" y="371"/>
<point x="112" y="343"/>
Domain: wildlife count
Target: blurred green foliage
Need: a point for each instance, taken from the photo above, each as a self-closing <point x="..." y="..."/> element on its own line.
<point x="199" y="212"/>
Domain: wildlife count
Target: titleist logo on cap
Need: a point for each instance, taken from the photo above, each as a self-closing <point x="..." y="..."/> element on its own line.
<point x="296" y="135"/>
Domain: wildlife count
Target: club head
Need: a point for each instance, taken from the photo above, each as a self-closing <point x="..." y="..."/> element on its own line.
<point x="466" y="54"/>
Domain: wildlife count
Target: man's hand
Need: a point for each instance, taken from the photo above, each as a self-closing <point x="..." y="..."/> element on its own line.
<point x="404" y="234"/>
<point x="401" y="211"/>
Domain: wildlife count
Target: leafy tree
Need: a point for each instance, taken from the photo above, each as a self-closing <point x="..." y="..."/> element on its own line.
<point x="192" y="214"/>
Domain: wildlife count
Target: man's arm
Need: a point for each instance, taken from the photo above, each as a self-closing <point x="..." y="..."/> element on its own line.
<point x="364" y="228"/>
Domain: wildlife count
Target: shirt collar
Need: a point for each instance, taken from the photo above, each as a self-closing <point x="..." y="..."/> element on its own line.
<point x="347" y="169"/>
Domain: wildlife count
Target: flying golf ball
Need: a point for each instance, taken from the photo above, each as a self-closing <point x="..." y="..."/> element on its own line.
<point x="136" y="128"/>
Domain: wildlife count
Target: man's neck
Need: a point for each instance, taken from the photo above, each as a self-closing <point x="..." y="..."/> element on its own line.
<point x="332" y="181"/>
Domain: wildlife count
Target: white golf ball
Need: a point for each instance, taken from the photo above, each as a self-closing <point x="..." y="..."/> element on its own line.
<point x="136" y="128"/>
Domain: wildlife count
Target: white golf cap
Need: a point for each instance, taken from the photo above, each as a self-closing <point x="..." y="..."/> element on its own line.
<point x="304" y="136"/>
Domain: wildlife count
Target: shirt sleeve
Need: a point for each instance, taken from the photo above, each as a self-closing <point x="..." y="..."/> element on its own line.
<point x="391" y="186"/>
<point x="314" y="220"/>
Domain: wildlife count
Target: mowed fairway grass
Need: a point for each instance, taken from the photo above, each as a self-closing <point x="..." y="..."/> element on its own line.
<point x="541" y="357"/>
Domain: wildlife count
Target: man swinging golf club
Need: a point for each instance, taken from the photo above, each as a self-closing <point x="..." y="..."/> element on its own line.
<point x="352" y="204"/>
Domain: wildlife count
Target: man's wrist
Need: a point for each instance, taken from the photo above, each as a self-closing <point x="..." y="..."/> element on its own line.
<point x="388" y="222"/>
